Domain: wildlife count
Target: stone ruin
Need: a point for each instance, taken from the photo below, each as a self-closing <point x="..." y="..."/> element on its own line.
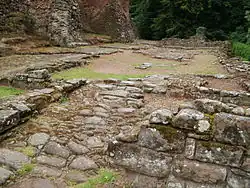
<point x="171" y="131"/>
<point x="203" y="142"/>
<point x="64" y="21"/>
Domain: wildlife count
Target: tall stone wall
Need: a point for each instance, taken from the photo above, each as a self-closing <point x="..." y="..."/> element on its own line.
<point x="63" y="20"/>
<point x="107" y="17"/>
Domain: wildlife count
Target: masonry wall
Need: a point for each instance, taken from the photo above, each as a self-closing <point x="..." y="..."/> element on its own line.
<point x="62" y="21"/>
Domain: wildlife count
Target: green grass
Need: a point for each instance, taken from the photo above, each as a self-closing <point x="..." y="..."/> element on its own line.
<point x="104" y="176"/>
<point x="26" y="168"/>
<point x="63" y="99"/>
<point x="87" y="73"/>
<point x="242" y="50"/>
<point x="29" y="151"/>
<point x="9" y="91"/>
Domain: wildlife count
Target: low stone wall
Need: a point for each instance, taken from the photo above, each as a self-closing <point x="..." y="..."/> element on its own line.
<point x="200" y="147"/>
<point x="192" y="42"/>
<point x="20" y="109"/>
<point x="234" y="97"/>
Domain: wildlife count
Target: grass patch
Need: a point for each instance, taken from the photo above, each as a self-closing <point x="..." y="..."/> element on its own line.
<point x="26" y="168"/>
<point x="29" y="151"/>
<point x="104" y="176"/>
<point x="64" y="99"/>
<point x="9" y="91"/>
<point x="87" y="73"/>
<point x="242" y="50"/>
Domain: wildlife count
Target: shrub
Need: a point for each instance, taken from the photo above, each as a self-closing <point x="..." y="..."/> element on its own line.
<point x="242" y="50"/>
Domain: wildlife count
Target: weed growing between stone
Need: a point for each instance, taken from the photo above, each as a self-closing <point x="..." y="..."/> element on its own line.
<point x="103" y="177"/>
<point x="9" y="91"/>
<point x="26" y="168"/>
<point x="87" y="73"/>
<point x="29" y="151"/>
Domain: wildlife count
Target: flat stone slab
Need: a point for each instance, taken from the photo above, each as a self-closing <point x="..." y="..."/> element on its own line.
<point x="83" y="163"/>
<point x="51" y="161"/>
<point x="57" y="149"/>
<point x="75" y="176"/>
<point x="200" y="172"/>
<point x="36" y="183"/>
<point x="4" y="175"/>
<point x="77" y="148"/>
<point x="38" y="139"/>
<point x="46" y="171"/>
<point x="116" y="93"/>
<point x="141" y="160"/>
<point x="13" y="159"/>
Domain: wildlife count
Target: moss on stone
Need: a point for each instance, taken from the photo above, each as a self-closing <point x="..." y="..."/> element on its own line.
<point x="169" y="133"/>
<point x="211" y="121"/>
<point x="210" y="145"/>
<point x="29" y="151"/>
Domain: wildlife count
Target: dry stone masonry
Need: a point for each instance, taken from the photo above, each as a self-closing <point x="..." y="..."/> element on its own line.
<point x="158" y="131"/>
<point x="199" y="143"/>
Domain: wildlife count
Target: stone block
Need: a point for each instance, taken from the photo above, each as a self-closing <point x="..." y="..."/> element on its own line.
<point x="199" y="172"/>
<point x="8" y="119"/>
<point x="232" y="129"/>
<point x="218" y="153"/>
<point x="162" y="138"/>
<point x="141" y="160"/>
<point x="188" y="119"/>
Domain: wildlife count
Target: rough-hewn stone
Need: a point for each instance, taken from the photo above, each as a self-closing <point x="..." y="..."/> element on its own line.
<point x="211" y="106"/>
<point x="51" y="161"/>
<point x="13" y="159"/>
<point x="167" y="139"/>
<point x="200" y="172"/>
<point x="8" y="119"/>
<point x="161" y="116"/>
<point x="187" y="119"/>
<point x="56" y="149"/>
<point x="38" y="139"/>
<point x="218" y="153"/>
<point x="46" y="171"/>
<point x="83" y="163"/>
<point x="232" y="129"/>
<point x="141" y="160"/>
<point x="77" y="148"/>
<point x="4" y="175"/>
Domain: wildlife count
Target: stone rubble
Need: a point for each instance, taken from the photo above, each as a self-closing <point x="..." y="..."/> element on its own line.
<point x="203" y="142"/>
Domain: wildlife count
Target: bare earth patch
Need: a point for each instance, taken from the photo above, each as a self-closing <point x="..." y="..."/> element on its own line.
<point x="125" y="63"/>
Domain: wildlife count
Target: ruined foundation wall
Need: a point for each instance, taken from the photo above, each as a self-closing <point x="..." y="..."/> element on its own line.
<point x="109" y="17"/>
<point x="62" y="21"/>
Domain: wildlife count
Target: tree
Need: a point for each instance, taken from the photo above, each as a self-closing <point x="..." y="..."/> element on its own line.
<point x="157" y="19"/>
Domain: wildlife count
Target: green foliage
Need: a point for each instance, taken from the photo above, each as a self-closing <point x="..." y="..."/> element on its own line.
<point x="157" y="19"/>
<point x="64" y="99"/>
<point x="87" y="73"/>
<point x="29" y="151"/>
<point x="9" y="91"/>
<point x="26" y="168"/>
<point x="104" y="176"/>
<point x="242" y="50"/>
